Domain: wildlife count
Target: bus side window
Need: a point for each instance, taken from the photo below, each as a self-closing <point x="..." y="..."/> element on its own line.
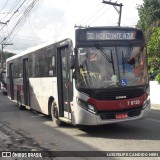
<point x="51" y="61"/>
<point x="52" y="67"/>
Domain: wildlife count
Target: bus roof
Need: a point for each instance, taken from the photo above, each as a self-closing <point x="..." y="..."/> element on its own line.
<point x="111" y="27"/>
<point x="35" y="48"/>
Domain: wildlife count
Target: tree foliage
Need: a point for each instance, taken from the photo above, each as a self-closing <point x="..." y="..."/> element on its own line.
<point x="153" y="50"/>
<point x="149" y="22"/>
<point x="149" y="14"/>
<point x="7" y="55"/>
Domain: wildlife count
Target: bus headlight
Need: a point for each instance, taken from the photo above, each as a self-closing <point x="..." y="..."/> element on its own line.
<point x="90" y="108"/>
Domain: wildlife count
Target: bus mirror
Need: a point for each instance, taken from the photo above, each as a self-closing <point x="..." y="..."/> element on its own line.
<point x="72" y="62"/>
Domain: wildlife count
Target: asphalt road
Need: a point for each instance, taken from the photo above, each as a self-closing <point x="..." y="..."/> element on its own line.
<point x="141" y="135"/>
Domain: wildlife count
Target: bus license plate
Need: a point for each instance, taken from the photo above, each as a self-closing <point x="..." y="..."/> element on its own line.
<point x="121" y="116"/>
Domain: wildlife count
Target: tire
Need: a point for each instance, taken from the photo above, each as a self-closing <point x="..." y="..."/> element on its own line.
<point x="19" y="103"/>
<point x="5" y="93"/>
<point x="54" y="115"/>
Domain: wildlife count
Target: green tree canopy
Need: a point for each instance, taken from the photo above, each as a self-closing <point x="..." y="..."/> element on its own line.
<point x="149" y="14"/>
<point x="7" y="55"/>
<point x="149" y="22"/>
<point x="153" y="50"/>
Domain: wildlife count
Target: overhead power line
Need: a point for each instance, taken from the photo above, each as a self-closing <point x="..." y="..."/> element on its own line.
<point x="95" y="13"/>
<point x="3" y="23"/>
<point x="14" y="5"/>
<point x="86" y="17"/>
<point x="11" y="9"/>
<point x="16" y="11"/>
<point x="21" y="20"/>
<point x="99" y="16"/>
<point x="4" y="6"/>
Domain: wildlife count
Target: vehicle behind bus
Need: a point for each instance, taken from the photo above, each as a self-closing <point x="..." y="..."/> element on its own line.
<point x="3" y="83"/>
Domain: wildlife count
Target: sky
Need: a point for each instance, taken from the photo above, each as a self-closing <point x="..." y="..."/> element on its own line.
<point x="55" y="20"/>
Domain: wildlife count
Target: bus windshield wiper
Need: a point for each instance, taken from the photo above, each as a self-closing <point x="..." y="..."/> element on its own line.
<point x="123" y="62"/>
<point x="106" y="55"/>
<point x="126" y="57"/>
<point x="112" y="62"/>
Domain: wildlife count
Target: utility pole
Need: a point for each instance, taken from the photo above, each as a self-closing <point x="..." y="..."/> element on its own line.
<point x="80" y="26"/>
<point x="3" y="45"/>
<point x="115" y="5"/>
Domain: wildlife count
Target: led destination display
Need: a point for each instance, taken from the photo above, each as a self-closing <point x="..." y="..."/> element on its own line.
<point x="110" y="35"/>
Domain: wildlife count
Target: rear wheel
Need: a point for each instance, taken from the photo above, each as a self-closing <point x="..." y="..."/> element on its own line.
<point x="54" y="115"/>
<point x="19" y="102"/>
<point x="5" y="93"/>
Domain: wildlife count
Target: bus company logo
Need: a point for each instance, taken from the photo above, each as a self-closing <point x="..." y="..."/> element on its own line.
<point x="121" y="105"/>
<point x="121" y="97"/>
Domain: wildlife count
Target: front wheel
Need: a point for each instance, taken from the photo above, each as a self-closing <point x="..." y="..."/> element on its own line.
<point x="54" y="115"/>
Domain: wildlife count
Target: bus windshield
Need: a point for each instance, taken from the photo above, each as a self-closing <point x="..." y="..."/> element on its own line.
<point x="106" y="67"/>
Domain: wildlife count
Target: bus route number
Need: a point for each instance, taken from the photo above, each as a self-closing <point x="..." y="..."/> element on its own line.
<point x="133" y="102"/>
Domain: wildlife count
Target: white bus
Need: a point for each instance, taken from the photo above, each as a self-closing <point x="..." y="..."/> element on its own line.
<point x="102" y="80"/>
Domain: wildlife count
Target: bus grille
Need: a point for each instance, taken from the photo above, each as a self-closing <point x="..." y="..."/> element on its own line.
<point x="111" y="95"/>
<point x="112" y="114"/>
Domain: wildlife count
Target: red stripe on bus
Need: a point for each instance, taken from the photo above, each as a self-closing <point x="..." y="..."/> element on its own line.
<point x="108" y="105"/>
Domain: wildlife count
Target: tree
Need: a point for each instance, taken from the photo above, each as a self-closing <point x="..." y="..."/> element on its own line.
<point x="2" y="69"/>
<point x="149" y="14"/>
<point x="149" y="22"/>
<point x="7" y="55"/>
<point x="153" y="50"/>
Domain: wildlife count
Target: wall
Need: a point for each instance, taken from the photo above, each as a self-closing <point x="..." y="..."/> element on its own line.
<point x="155" y="92"/>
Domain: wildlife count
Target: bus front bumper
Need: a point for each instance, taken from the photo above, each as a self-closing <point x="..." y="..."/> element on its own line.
<point x="84" y="117"/>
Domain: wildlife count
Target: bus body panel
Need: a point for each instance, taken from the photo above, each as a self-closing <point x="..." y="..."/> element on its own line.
<point x="40" y="91"/>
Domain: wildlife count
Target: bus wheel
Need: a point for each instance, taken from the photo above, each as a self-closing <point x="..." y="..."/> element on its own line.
<point x="54" y="115"/>
<point x="19" y="102"/>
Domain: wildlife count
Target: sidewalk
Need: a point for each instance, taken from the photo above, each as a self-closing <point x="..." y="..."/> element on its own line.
<point x="14" y="141"/>
<point x="155" y="95"/>
<point x="155" y="106"/>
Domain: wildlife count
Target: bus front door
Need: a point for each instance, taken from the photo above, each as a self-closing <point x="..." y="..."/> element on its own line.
<point x="64" y="81"/>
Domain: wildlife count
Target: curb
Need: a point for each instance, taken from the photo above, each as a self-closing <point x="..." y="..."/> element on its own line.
<point x="155" y="106"/>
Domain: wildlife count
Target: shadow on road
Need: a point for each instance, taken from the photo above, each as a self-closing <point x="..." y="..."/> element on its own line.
<point x="145" y="129"/>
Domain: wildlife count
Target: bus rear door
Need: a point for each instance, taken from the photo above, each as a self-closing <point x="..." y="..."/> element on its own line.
<point x="26" y="81"/>
<point x="11" y="81"/>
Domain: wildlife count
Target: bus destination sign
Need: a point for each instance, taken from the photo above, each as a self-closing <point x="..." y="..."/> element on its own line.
<point x="110" y="35"/>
